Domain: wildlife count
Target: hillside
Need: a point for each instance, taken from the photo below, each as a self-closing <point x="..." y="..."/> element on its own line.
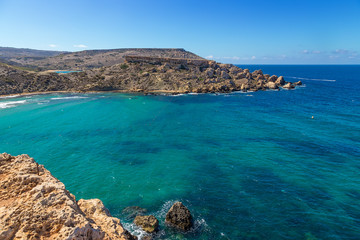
<point x="21" y="56"/>
<point x="82" y="60"/>
<point x="102" y="58"/>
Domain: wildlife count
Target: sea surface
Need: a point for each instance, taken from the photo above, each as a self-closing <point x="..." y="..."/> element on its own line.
<point x="256" y="165"/>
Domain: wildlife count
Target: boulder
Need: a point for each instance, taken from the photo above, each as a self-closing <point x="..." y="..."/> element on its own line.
<point x="298" y="83"/>
<point x="272" y="78"/>
<point x="225" y="67"/>
<point x="280" y="81"/>
<point x="235" y="70"/>
<point x="148" y="223"/>
<point x="179" y="217"/>
<point x="244" y="87"/>
<point x="288" y="86"/>
<point x="225" y="75"/>
<point x="258" y="77"/>
<point x="271" y="85"/>
<point x="239" y="82"/>
<point x="258" y="72"/>
<point x="241" y="75"/>
<point x="248" y="75"/>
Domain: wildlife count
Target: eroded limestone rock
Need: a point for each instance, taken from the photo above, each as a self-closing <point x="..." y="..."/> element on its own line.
<point x="148" y="223"/>
<point x="36" y="205"/>
<point x="179" y="217"/>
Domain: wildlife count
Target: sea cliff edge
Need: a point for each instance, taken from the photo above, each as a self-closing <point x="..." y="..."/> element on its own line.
<point x="36" y="205"/>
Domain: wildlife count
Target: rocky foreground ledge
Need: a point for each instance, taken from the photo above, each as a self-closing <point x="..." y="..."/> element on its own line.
<point x="36" y="205"/>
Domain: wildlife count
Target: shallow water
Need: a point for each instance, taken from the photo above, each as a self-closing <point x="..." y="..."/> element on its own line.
<point x="247" y="165"/>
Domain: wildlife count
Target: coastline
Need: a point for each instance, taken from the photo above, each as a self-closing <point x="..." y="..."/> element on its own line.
<point x="75" y="92"/>
<point x="138" y="91"/>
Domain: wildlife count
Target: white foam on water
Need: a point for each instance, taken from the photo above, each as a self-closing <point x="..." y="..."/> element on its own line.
<point x="11" y="104"/>
<point x="11" y="96"/>
<point x="74" y="97"/>
<point x="177" y="95"/>
<point x="134" y="230"/>
<point x="43" y="102"/>
<point x="165" y="208"/>
<point x="313" y="79"/>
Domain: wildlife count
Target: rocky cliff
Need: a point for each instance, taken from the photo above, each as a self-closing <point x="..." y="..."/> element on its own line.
<point x="144" y="74"/>
<point x="36" y="205"/>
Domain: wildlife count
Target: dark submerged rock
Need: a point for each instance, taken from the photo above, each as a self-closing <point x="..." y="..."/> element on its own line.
<point x="131" y="212"/>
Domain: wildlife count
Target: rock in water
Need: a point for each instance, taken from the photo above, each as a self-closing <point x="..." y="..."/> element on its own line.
<point x="272" y="85"/>
<point x="179" y="216"/>
<point x="148" y="223"/>
<point x="280" y="81"/>
<point x="36" y="205"/>
<point x="288" y="86"/>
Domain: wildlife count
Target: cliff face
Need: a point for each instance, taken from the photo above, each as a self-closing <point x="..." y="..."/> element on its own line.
<point x="36" y="205"/>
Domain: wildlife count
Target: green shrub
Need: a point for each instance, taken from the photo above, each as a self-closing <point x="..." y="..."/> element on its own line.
<point x="124" y="66"/>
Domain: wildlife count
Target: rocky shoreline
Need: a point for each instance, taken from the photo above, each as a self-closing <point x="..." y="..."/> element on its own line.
<point x="145" y="75"/>
<point x="36" y="205"/>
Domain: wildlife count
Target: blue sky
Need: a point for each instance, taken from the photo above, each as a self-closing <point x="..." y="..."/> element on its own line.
<point x="246" y="32"/>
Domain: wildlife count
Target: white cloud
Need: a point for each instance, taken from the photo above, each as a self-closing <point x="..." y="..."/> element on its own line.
<point x="210" y="57"/>
<point x="341" y="51"/>
<point x="80" y="46"/>
<point x="310" y="52"/>
<point x="52" y="45"/>
<point x="232" y="58"/>
<point x="253" y="57"/>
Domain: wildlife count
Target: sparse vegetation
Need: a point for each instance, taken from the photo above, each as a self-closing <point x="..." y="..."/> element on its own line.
<point x="124" y="66"/>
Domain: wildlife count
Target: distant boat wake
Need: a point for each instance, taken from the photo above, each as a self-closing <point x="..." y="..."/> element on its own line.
<point x="313" y="79"/>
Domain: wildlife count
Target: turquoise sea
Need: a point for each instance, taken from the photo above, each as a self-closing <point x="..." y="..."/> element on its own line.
<point x="250" y="165"/>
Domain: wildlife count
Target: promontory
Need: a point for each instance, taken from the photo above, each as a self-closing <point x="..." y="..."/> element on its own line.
<point x="126" y="70"/>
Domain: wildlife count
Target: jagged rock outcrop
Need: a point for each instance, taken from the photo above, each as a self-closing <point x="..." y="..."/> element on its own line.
<point x="148" y="223"/>
<point x="36" y="205"/>
<point x="179" y="217"/>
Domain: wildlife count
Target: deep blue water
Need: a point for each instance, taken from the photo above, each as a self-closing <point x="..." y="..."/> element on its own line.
<point x="247" y="165"/>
